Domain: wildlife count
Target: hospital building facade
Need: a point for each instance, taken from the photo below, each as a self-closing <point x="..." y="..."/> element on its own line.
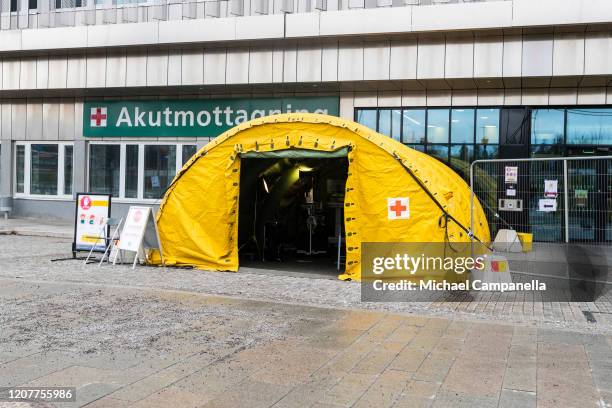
<point x="114" y="97"/>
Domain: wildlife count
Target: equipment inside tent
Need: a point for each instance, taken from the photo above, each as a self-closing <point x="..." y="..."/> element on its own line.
<point x="283" y="187"/>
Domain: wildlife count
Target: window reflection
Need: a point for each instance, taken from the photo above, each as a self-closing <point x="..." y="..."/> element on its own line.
<point x="487" y="126"/>
<point x="160" y="168"/>
<point x="389" y="121"/>
<point x="43" y="171"/>
<point x="413" y="126"/>
<point x="461" y="157"/>
<point x="367" y="117"/>
<point x="547" y="126"/>
<point x="589" y="126"/>
<point x="104" y="169"/>
<point x="462" y="125"/>
<point x="440" y="152"/>
<point x="437" y="125"/>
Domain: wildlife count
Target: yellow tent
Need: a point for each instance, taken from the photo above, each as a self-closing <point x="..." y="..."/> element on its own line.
<point x="198" y="217"/>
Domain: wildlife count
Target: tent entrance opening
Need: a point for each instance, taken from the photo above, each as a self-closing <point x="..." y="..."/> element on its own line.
<point x="291" y="210"/>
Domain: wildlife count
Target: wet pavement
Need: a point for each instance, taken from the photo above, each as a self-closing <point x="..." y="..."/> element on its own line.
<point x="183" y="338"/>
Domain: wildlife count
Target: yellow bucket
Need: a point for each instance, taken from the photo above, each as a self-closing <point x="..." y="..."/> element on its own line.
<point x="526" y="240"/>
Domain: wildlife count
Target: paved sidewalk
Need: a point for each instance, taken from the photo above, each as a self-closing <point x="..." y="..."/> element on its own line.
<point x="126" y="347"/>
<point x="36" y="227"/>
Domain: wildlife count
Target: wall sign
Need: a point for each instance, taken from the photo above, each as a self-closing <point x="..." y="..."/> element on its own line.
<point x="194" y="117"/>
<point x="511" y="175"/>
<point x="91" y="211"/>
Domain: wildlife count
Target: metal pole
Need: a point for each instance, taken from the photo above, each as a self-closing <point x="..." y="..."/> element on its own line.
<point x="566" y="200"/>
<point x="472" y="209"/>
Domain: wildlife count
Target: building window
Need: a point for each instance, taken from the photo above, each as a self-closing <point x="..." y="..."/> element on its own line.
<point x="14" y="5"/>
<point x="437" y="125"/>
<point x="131" y="171"/>
<point x="589" y="126"/>
<point x="367" y="117"/>
<point x="159" y="169"/>
<point x="43" y="169"/>
<point x="547" y="126"/>
<point x="487" y="126"/>
<point x="460" y="158"/>
<point x="68" y="164"/>
<point x="20" y="169"/>
<point x="104" y="160"/>
<point x="188" y="151"/>
<point x="389" y="123"/>
<point x="413" y="125"/>
<point x="462" y="125"/>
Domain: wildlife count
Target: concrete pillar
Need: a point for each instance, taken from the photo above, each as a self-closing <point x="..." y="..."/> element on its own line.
<point x="80" y="166"/>
<point x="6" y="176"/>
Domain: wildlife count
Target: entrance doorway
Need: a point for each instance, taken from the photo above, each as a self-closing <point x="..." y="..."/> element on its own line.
<point x="590" y="195"/>
<point x="291" y="210"/>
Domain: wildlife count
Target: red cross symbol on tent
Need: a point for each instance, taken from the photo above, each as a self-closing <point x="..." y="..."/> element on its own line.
<point x="398" y="208"/>
<point x="98" y="117"/>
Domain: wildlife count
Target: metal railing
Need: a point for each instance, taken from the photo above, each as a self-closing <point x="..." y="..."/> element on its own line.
<point x="63" y="13"/>
<point x="566" y="199"/>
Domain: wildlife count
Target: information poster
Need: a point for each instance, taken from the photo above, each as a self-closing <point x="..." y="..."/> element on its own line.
<point x="92" y="211"/>
<point x="134" y="228"/>
<point x="511" y="175"/>
<point x="550" y="188"/>
<point x="547" y="205"/>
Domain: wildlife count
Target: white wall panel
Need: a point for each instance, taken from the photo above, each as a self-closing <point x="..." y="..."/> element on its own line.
<point x="414" y="98"/>
<point x="403" y="59"/>
<point x="259" y="27"/>
<point x="389" y="99"/>
<point x="376" y="60"/>
<point x="459" y="61"/>
<point x="175" y="67"/>
<point x="260" y="66"/>
<point x="329" y="62"/>
<point x="50" y="120"/>
<point x="27" y="75"/>
<point x="96" y="70"/>
<point x="136" y="71"/>
<point x="562" y="96"/>
<point x="365" y="99"/>
<point x="66" y="119"/>
<point x="116" y="69"/>
<point x="237" y="67"/>
<point x="192" y="67"/>
<point x="10" y="73"/>
<point x="598" y="53"/>
<point x="462" y="16"/>
<point x="42" y="72"/>
<point x="513" y="54"/>
<point x="438" y="98"/>
<point x="488" y="56"/>
<point x="157" y="68"/>
<point x="290" y="63"/>
<point x="6" y="120"/>
<point x="277" y="64"/>
<point x="214" y="66"/>
<point x="347" y="105"/>
<point x="431" y="56"/>
<point x="302" y="25"/>
<point x="568" y="54"/>
<point x="591" y="96"/>
<point x="537" y="96"/>
<point x="537" y="55"/>
<point x="19" y="119"/>
<point x="78" y="118"/>
<point x="77" y="72"/>
<point x="309" y="63"/>
<point x="198" y="30"/>
<point x="34" y="121"/>
<point x="490" y="97"/>
<point x="373" y="20"/>
<point x="465" y="98"/>
<point x="350" y="62"/>
<point x="58" y="72"/>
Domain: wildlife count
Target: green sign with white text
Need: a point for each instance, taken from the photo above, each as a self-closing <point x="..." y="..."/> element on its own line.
<point x="193" y="117"/>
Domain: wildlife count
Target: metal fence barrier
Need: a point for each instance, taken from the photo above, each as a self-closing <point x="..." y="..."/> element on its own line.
<point x="567" y="199"/>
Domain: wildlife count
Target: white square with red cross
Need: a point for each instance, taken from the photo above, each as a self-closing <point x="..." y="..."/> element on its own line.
<point x="98" y="117"/>
<point x="398" y="208"/>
